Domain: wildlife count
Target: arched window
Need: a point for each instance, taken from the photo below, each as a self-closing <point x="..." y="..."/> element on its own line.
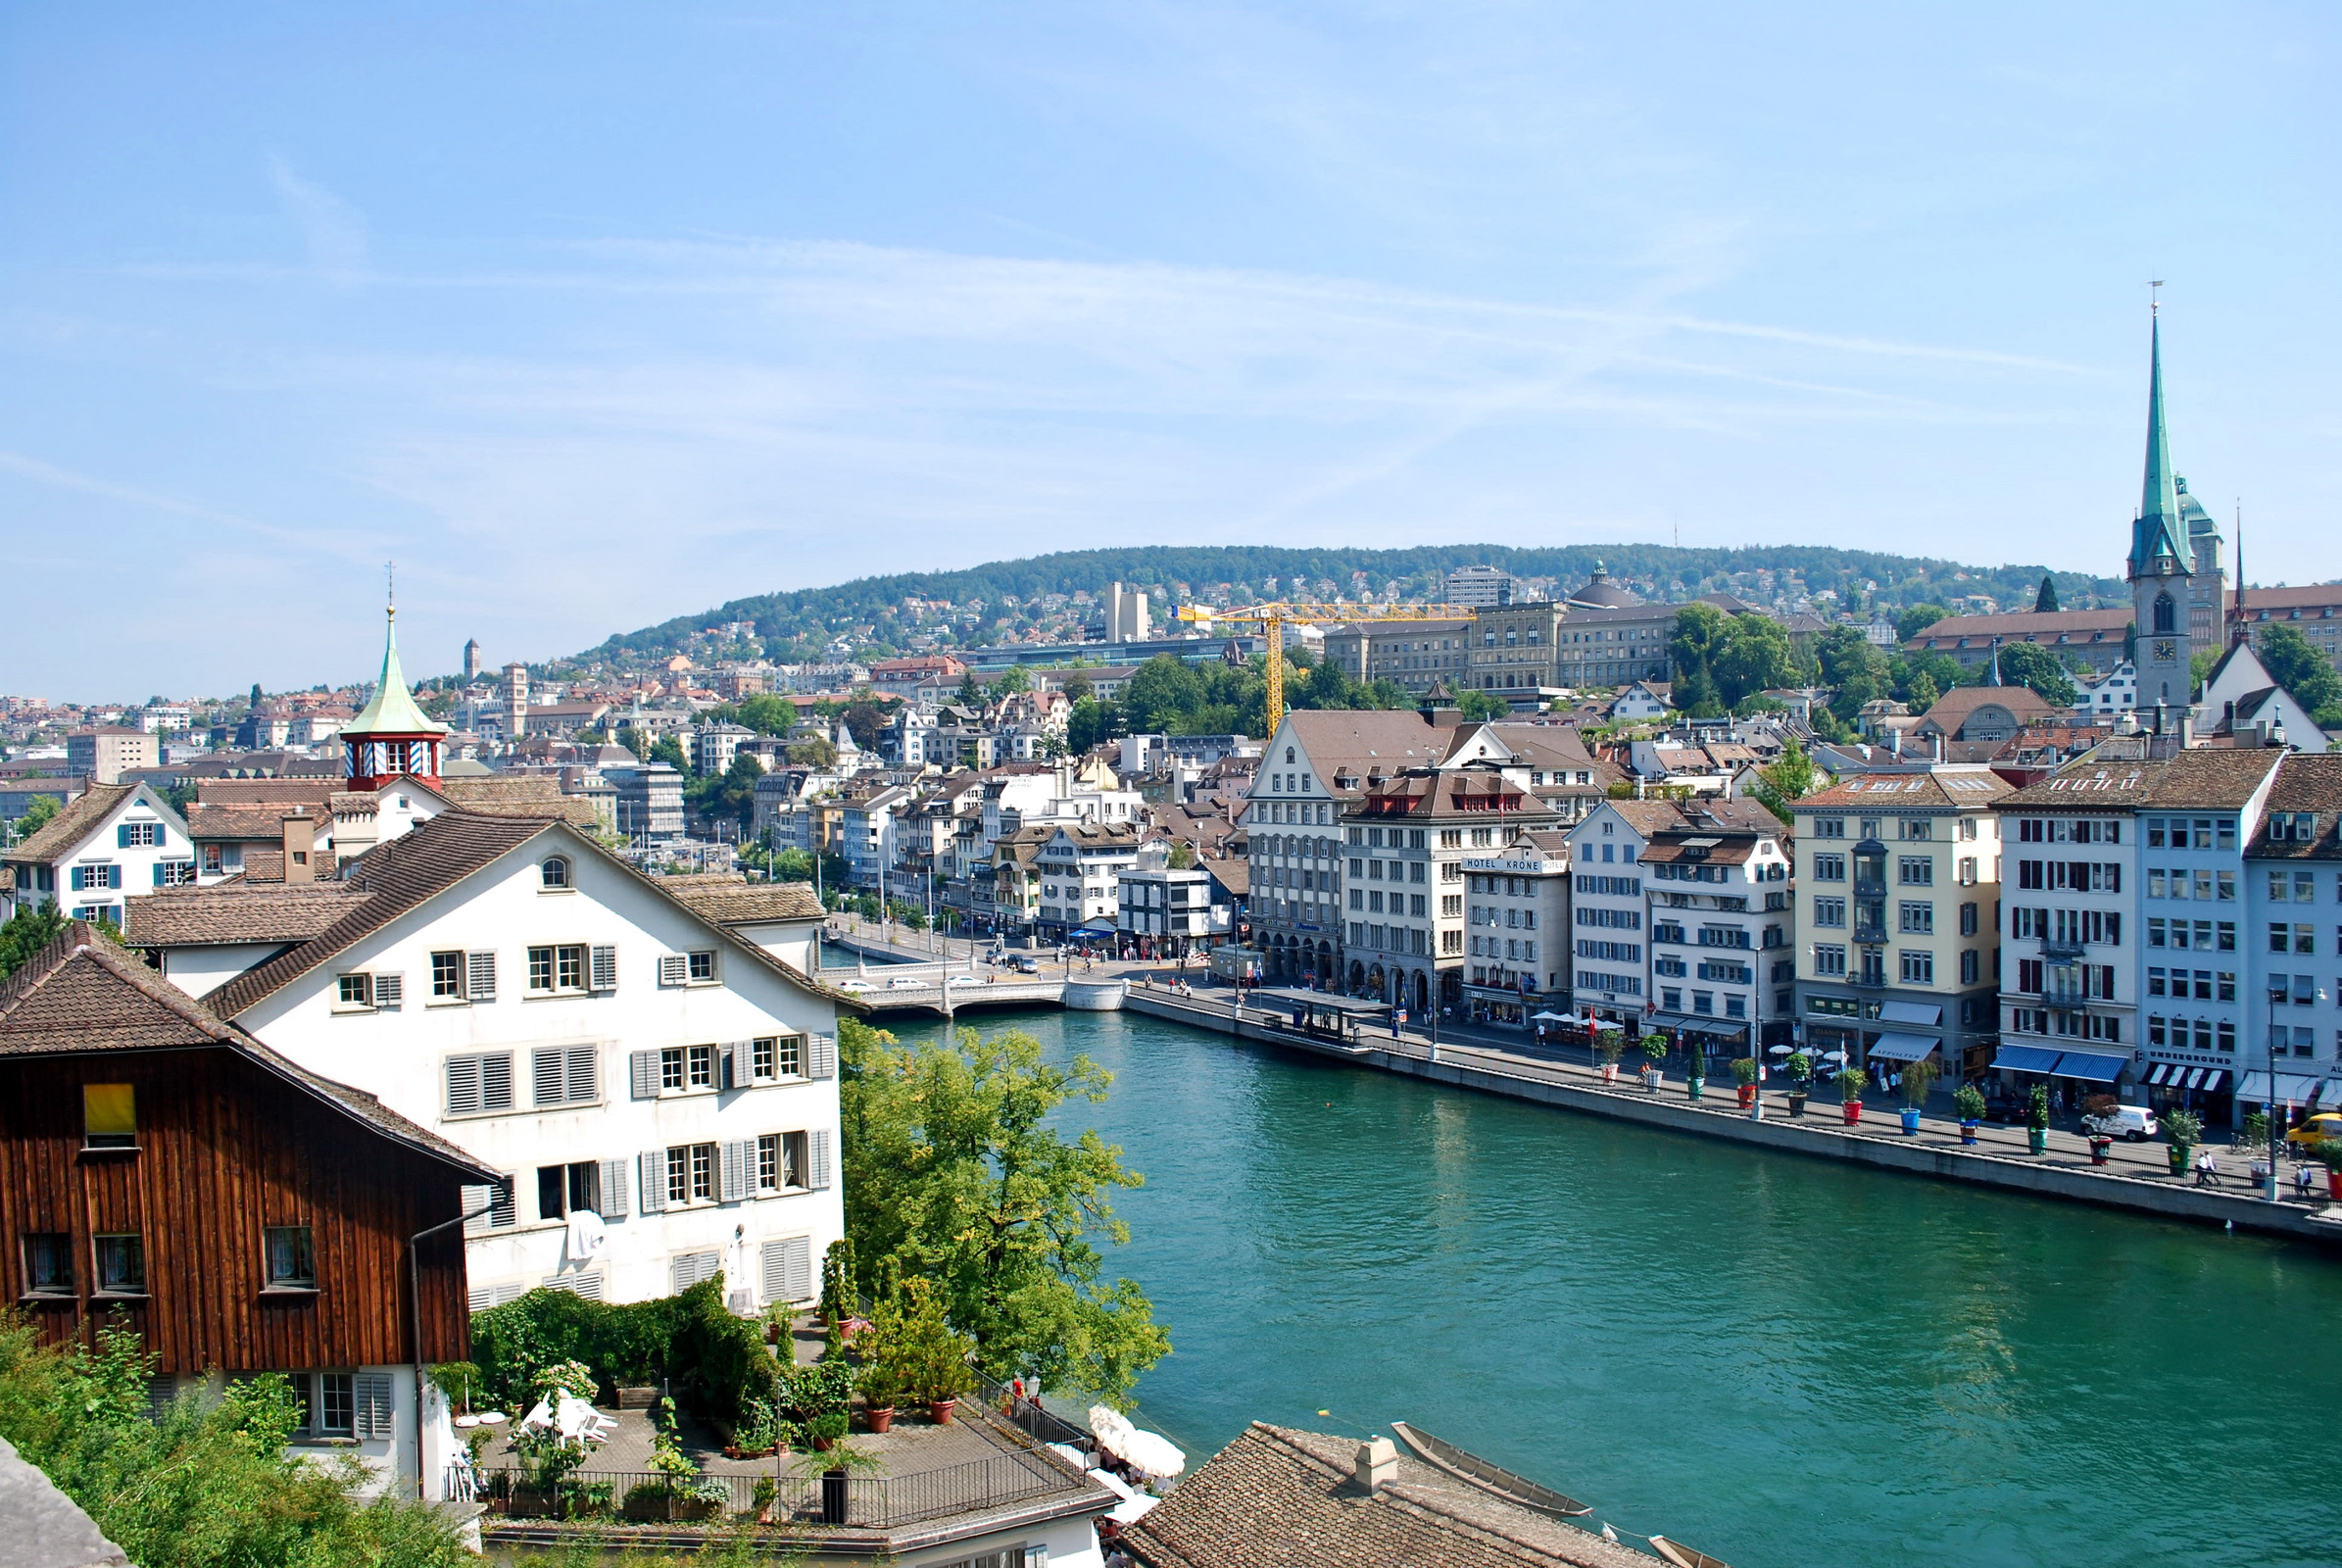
<point x="553" y="873"/>
<point x="2164" y="614"/>
<point x="1289" y="753"/>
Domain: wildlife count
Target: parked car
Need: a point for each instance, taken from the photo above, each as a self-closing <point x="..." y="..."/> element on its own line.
<point x="2131" y="1123"/>
<point x="2325" y="1124"/>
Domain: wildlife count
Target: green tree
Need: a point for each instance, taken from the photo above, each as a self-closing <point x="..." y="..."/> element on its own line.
<point x="793" y="865"/>
<point x="1700" y="633"/>
<point x="1014" y="679"/>
<point x="1091" y="721"/>
<point x="1480" y="708"/>
<point x="1755" y="654"/>
<point x="2296" y="665"/>
<point x="668" y="750"/>
<point x="1161" y="695"/>
<point x="26" y="932"/>
<point x="972" y="691"/>
<point x="729" y="796"/>
<point x="814" y="750"/>
<point x="765" y="715"/>
<point x="1788" y="777"/>
<point x="955" y="1170"/>
<point x="2032" y="665"/>
<point x="38" y="814"/>
<point x="1909" y="624"/>
<point x="2045" y="603"/>
<point x="1077" y="687"/>
<point x="1183" y="856"/>
<point x="1851" y="665"/>
<point x="206" y="1482"/>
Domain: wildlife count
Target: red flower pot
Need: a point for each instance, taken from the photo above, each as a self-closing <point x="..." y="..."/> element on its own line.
<point x="940" y="1411"/>
<point x="1749" y="1093"/>
<point x="879" y="1420"/>
<point x="1853" y="1110"/>
<point x="2333" y="1185"/>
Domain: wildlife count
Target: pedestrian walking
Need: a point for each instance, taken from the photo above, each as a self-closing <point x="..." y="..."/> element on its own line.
<point x="2301" y="1182"/>
<point x="2208" y="1169"/>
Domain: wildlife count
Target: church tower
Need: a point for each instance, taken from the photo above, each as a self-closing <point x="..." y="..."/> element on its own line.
<point x="391" y="737"/>
<point x="2162" y="565"/>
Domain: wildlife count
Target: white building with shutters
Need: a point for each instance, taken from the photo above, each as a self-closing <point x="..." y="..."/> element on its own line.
<point x="660" y="1092"/>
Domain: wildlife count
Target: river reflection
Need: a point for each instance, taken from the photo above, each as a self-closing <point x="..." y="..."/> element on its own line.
<point x="1784" y="1361"/>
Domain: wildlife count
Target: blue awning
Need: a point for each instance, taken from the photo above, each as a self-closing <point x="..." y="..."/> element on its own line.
<point x="1901" y="1048"/>
<point x="2027" y="1058"/>
<point x="2095" y="1066"/>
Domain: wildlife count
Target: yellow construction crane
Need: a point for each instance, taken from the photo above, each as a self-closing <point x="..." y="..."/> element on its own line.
<point x="1274" y="617"/>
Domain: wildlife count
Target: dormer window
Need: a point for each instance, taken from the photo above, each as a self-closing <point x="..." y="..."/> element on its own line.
<point x="554" y="875"/>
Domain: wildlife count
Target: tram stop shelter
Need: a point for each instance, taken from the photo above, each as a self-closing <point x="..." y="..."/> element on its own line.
<point x="1321" y="1015"/>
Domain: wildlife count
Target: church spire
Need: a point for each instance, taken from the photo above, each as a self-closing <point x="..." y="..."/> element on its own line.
<point x="2158" y="547"/>
<point x="391" y="736"/>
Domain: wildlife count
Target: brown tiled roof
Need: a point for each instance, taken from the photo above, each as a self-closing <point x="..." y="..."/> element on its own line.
<point x="1354" y="743"/>
<point x="268" y="865"/>
<point x="736" y="901"/>
<point x="2087" y="786"/>
<point x="533" y="795"/>
<point x="1942" y="789"/>
<point x="1277" y="1497"/>
<point x="1735" y="849"/>
<point x="394" y="878"/>
<point x="285" y="792"/>
<point x="2311" y="784"/>
<point x="2022" y="626"/>
<point x="2209" y="778"/>
<point x="433" y="856"/>
<point x="247" y="823"/>
<point x="1958" y="706"/>
<point x="235" y="912"/>
<point x="82" y="992"/>
<point x="69" y="826"/>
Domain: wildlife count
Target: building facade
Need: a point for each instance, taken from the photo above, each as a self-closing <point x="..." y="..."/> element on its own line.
<point x="1899" y="886"/>
<point x="1517" y="929"/>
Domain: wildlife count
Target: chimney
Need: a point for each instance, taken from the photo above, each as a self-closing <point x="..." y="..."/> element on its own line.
<point x="300" y="848"/>
<point x="1377" y="1464"/>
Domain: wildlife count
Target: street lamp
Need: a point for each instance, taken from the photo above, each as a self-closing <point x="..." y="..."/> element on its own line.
<point x="2268" y="1105"/>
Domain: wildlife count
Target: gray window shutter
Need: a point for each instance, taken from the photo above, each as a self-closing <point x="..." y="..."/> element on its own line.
<point x="463" y="1088"/>
<point x="496" y="1082"/>
<point x="507" y="1212"/>
<point x="788" y="1268"/>
<point x="818" y="1142"/>
<point x="584" y="1083"/>
<point x="735" y="1169"/>
<point x="682" y="1280"/>
<point x="674" y="970"/>
<point x="642" y="1067"/>
<point x="389" y="990"/>
<point x="654" y="1182"/>
<point x="548" y="1075"/>
<point x="474" y="1200"/>
<point x="613" y="1188"/>
<point x="604" y="975"/>
<point x="822" y="1054"/>
<point x="483" y="1296"/>
<point x="373" y="1413"/>
<point x="724" y="1054"/>
<point x="479" y="976"/>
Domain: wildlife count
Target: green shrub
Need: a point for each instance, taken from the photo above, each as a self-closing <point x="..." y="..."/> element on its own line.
<point x="2183" y="1127"/>
<point x="1745" y="1069"/>
<point x="2037" y="1109"/>
<point x="719" y="1360"/>
<point x="1852" y="1082"/>
<point x="1969" y="1100"/>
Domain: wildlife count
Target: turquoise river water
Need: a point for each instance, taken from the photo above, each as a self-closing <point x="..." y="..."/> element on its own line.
<point x="1782" y="1362"/>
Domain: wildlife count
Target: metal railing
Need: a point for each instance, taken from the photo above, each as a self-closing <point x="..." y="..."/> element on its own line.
<point x="1028" y="1416"/>
<point x="794" y="1492"/>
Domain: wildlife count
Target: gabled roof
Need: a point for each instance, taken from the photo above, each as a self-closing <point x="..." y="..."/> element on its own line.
<point x="235" y="912"/>
<point x="1955" y="707"/>
<point x="79" y="819"/>
<point x="1356" y="742"/>
<point x="736" y="901"/>
<point x="1277" y="1497"/>
<point x="395" y="877"/>
<point x="2312" y="784"/>
<point x="1937" y="789"/>
<point x="82" y="994"/>
<point x="532" y="795"/>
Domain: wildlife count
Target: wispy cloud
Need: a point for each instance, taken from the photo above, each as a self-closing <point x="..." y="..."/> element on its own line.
<point x="334" y="231"/>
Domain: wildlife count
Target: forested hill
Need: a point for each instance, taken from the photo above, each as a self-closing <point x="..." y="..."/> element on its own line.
<point x="1007" y="596"/>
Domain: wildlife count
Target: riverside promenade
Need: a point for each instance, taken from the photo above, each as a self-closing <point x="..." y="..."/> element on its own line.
<point x="2138" y="1178"/>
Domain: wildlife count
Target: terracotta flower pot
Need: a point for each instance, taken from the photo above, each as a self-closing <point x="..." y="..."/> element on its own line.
<point x="880" y="1419"/>
<point x="940" y="1411"/>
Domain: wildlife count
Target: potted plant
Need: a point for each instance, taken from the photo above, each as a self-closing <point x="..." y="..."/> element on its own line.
<point x="1801" y="1071"/>
<point x="1969" y="1102"/>
<point x="1918" y="1078"/>
<point x="1745" y="1069"/>
<point x="2037" y="1120"/>
<point x="1654" y="1051"/>
<point x="880" y="1401"/>
<point x="1612" y="1043"/>
<point x="1695" y="1071"/>
<point x="1851" y="1083"/>
<point x="2328" y="1152"/>
<point x="2184" y="1128"/>
<point x="757" y="1436"/>
<point x="932" y="1355"/>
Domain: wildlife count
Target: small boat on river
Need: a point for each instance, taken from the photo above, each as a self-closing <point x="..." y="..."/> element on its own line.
<point x="1471" y="1467"/>
<point x="1683" y="1556"/>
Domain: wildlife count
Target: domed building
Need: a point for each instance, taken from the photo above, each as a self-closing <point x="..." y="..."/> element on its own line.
<point x="1600" y="593"/>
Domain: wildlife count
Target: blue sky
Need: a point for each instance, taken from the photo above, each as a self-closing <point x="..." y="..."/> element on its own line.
<point x="592" y="315"/>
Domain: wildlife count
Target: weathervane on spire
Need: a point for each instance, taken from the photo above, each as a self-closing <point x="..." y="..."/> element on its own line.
<point x="2154" y="305"/>
<point x="390" y="586"/>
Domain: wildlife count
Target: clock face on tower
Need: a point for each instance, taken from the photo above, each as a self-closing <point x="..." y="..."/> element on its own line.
<point x="2164" y="652"/>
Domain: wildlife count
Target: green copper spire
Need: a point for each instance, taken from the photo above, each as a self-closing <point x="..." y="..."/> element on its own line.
<point x="392" y="711"/>
<point x="2159" y="538"/>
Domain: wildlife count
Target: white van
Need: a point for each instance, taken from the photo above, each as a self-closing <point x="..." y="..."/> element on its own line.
<point x="2131" y="1123"/>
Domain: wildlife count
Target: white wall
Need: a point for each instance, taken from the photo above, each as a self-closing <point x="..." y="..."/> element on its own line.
<point x="102" y="848"/>
<point x="400" y="1054"/>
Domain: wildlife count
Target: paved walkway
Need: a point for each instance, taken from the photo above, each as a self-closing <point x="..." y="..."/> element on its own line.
<point x="1503" y="1051"/>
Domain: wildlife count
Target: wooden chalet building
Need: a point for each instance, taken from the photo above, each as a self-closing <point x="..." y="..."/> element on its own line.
<point x="243" y="1214"/>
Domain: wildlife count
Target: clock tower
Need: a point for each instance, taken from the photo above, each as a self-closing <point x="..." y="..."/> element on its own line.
<point x="2161" y="564"/>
